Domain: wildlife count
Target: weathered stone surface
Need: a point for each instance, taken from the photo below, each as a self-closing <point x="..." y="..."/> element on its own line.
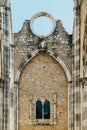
<point x="26" y="42"/>
<point x="43" y="68"/>
<point x="41" y="78"/>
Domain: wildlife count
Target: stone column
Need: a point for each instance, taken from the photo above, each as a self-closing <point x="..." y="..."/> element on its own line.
<point x="11" y="89"/>
<point x="84" y="106"/>
<point x="76" y="66"/>
<point x="1" y="102"/>
<point x="70" y="106"/>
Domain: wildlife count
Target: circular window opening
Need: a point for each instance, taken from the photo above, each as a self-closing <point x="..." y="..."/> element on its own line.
<point x="42" y="26"/>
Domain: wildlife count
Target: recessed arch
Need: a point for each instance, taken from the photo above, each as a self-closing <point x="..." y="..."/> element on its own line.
<point x="54" y="55"/>
<point x="19" y="78"/>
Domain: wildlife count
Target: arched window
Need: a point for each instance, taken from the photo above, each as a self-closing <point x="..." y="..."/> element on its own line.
<point x="42" y="110"/>
<point x="38" y="110"/>
<point x="46" y="109"/>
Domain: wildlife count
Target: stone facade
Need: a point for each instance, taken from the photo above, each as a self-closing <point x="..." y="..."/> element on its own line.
<point x="44" y="84"/>
<point x="83" y="62"/>
<point x="40" y="75"/>
<point x="43" y="68"/>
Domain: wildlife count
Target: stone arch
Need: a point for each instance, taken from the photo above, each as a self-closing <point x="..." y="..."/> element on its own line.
<point x="57" y="58"/>
<point x="54" y="55"/>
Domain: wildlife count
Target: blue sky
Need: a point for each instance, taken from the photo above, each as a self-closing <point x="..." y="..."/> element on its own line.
<point x="25" y="9"/>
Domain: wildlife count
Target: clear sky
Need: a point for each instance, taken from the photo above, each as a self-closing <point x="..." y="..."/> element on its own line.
<point x="25" y="9"/>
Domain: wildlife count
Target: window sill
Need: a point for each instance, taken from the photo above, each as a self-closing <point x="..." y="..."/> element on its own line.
<point x="42" y="121"/>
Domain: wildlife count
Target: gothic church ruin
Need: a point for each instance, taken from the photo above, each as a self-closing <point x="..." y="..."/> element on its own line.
<point x="43" y="78"/>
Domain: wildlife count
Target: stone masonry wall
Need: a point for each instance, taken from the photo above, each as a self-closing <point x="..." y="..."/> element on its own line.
<point x="26" y="42"/>
<point x="41" y="78"/>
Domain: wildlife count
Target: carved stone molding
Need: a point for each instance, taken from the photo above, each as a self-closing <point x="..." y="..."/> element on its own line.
<point x="46" y="15"/>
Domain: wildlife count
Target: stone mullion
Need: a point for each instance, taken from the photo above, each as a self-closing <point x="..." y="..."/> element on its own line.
<point x="43" y="110"/>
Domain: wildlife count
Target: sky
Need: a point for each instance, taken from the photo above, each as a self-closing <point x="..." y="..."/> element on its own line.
<point x="24" y="9"/>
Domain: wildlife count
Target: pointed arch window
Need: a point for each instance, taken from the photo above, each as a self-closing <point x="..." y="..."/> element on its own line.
<point x="43" y="110"/>
<point x="38" y="109"/>
<point x="46" y="109"/>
